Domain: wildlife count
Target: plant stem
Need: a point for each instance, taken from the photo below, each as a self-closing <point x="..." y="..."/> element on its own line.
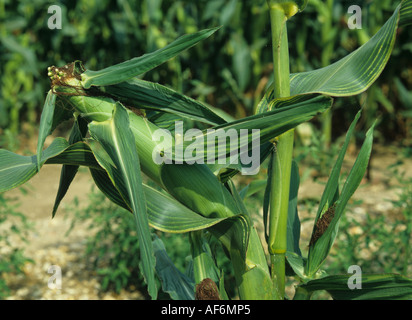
<point x="201" y="268"/>
<point x="282" y="159"/>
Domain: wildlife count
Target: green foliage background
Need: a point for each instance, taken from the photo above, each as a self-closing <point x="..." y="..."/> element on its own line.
<point x="230" y="71"/>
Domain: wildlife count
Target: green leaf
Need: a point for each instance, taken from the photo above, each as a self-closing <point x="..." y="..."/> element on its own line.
<point x="147" y="95"/>
<point x="252" y="188"/>
<point x="105" y="184"/>
<point x="62" y="113"/>
<point x="319" y="249"/>
<point x="163" y="120"/>
<point x="46" y="123"/>
<point x="164" y="212"/>
<point x="354" y="73"/>
<point x="297" y="265"/>
<point x="357" y="71"/>
<point x="174" y="282"/>
<point x="239" y="227"/>
<point x="139" y="65"/>
<point x="293" y="111"/>
<point x="406" y="13"/>
<point x="202" y="192"/>
<point x="267" y="193"/>
<point x="117" y="140"/>
<point x="233" y="233"/>
<point x="268" y="103"/>
<point x="168" y="215"/>
<point x="222" y="292"/>
<point x="293" y="226"/>
<point x="77" y="154"/>
<point x="230" y="170"/>
<point x="204" y="265"/>
<point x="332" y="186"/>
<point x="374" y="287"/>
<point x="404" y="95"/>
<point x="17" y="169"/>
<point x="68" y="172"/>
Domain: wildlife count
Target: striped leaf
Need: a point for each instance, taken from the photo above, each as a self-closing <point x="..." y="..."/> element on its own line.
<point x="168" y="215"/>
<point x="269" y="125"/>
<point x="373" y="287"/>
<point x="147" y="95"/>
<point x="356" y="72"/>
<point x="139" y="65"/>
<point x="77" y="154"/>
<point x="164" y="212"/>
<point x="117" y="140"/>
<point x="406" y="13"/>
<point x="228" y="171"/>
<point x="17" y="169"/>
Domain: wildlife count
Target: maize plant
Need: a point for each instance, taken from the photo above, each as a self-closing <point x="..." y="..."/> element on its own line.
<point x="117" y="117"/>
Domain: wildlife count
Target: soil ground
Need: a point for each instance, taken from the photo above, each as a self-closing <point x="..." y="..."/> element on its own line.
<point x="48" y="245"/>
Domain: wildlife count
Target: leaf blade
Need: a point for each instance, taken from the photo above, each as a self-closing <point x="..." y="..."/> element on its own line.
<point x="356" y="72"/>
<point x="270" y="124"/>
<point x="374" y="287"/>
<point x="46" y="123"/>
<point x="118" y="141"/>
<point x="16" y="169"/>
<point x="320" y="249"/>
<point x="68" y="172"/>
<point x="136" y="66"/>
<point x="153" y="96"/>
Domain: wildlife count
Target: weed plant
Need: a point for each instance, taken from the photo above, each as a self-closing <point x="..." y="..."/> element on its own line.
<point x="14" y="228"/>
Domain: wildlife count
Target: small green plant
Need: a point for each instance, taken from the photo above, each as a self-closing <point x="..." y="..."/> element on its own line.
<point x="13" y="226"/>
<point x="403" y="226"/>
<point x="118" y="118"/>
<point x="379" y="242"/>
<point x="113" y="240"/>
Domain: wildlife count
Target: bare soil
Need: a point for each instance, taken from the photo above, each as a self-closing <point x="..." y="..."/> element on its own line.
<point x="48" y="244"/>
